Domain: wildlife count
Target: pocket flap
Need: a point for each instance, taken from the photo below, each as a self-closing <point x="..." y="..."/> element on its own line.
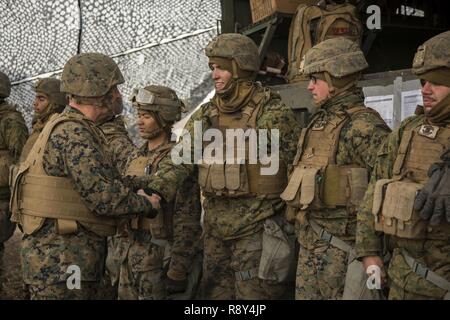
<point x="308" y="187"/>
<point x="293" y="185"/>
<point x="378" y="195"/>
<point x="232" y="176"/>
<point x="217" y="174"/>
<point x="400" y="199"/>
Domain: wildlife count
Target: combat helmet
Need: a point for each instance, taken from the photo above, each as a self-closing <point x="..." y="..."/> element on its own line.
<point x="160" y="101"/>
<point x="339" y="57"/>
<point x="90" y="75"/>
<point x="51" y="87"/>
<point x="5" y="85"/>
<point x="432" y="59"/>
<point x="236" y="47"/>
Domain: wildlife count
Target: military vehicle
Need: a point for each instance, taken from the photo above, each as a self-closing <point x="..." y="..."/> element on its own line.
<point x="405" y="24"/>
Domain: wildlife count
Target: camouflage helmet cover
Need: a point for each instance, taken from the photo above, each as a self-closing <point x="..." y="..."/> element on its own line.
<point x="5" y="85"/>
<point x="339" y="57"/>
<point x="237" y="47"/>
<point x="159" y="99"/>
<point x="50" y="87"/>
<point x="90" y="75"/>
<point x="433" y="54"/>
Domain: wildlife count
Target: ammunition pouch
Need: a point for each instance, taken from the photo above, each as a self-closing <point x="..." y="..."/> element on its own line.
<point x="332" y="187"/>
<point x="355" y="287"/>
<point x="240" y="180"/>
<point x="394" y="214"/>
<point x="278" y="261"/>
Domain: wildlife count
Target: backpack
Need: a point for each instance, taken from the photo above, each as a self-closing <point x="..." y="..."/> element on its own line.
<point x="313" y="24"/>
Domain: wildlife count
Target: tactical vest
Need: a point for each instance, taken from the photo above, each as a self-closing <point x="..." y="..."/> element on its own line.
<point x="29" y="145"/>
<point x="316" y="181"/>
<point x="240" y="179"/>
<point x="38" y="196"/>
<point x="421" y="146"/>
<point x="160" y="227"/>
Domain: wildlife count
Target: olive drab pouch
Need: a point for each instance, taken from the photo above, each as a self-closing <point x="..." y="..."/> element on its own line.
<point x="398" y="215"/>
<point x="302" y="187"/>
<point x="217" y="174"/>
<point x="359" y="182"/>
<point x="355" y="287"/>
<point x="278" y="259"/>
<point x="378" y="198"/>
<point x="400" y="198"/>
<point x="203" y="173"/>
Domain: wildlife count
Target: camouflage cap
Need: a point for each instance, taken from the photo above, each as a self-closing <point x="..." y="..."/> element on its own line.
<point x="160" y="100"/>
<point x="90" y="75"/>
<point x="433" y="54"/>
<point x="5" y="85"/>
<point x="50" y="87"/>
<point x="339" y="57"/>
<point x="237" y="47"/>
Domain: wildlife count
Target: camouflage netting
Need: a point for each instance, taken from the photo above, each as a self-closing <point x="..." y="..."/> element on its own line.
<point x="153" y="41"/>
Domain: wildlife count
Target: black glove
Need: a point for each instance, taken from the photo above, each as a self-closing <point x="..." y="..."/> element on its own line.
<point x="433" y="201"/>
<point x="442" y="196"/>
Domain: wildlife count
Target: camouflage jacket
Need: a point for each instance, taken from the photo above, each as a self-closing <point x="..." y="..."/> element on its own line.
<point x="186" y="217"/>
<point x="72" y="151"/>
<point x="230" y="218"/>
<point x="13" y="135"/>
<point x="368" y="241"/>
<point x="119" y="142"/>
<point x="13" y="130"/>
<point x="358" y="143"/>
<point x="434" y="254"/>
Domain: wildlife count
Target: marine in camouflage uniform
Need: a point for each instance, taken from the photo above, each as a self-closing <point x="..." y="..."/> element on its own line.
<point x="13" y="134"/>
<point x="120" y="147"/>
<point x="48" y="101"/>
<point x="419" y="248"/>
<point x="67" y="197"/>
<point x="335" y="155"/>
<point x="175" y="233"/>
<point x="235" y="213"/>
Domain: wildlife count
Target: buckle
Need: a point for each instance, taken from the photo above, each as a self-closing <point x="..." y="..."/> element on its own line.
<point x="420" y="269"/>
<point x="324" y="235"/>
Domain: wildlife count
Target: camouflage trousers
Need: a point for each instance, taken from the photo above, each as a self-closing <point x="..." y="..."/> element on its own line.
<point x="49" y="259"/>
<point x="59" y="291"/>
<point x="141" y="270"/>
<point x="230" y="270"/>
<point x="320" y="272"/>
<point x="407" y="285"/>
